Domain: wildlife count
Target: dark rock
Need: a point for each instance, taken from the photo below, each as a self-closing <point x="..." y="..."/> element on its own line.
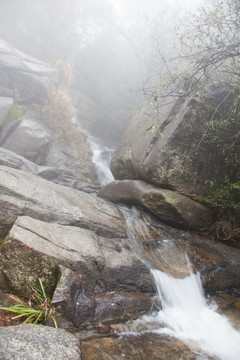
<point x="28" y="342"/>
<point x="173" y="208"/>
<point x="166" y="149"/>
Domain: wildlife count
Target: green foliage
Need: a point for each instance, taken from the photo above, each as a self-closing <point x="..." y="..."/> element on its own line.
<point x="38" y="308"/>
<point x="15" y="113"/>
<point x="223" y="133"/>
<point x="225" y="197"/>
<point x="1" y="240"/>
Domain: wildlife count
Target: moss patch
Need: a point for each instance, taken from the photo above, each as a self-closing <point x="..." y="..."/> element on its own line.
<point x="15" y="113"/>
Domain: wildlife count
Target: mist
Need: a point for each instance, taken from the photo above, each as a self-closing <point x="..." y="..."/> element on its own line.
<point x="111" y="45"/>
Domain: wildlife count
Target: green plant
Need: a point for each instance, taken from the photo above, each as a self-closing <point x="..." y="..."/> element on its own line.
<point x="225" y="200"/>
<point x="38" y="308"/>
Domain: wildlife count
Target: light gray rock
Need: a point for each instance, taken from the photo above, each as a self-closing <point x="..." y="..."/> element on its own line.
<point x="5" y="105"/>
<point x="28" y="77"/>
<point x="169" y="206"/>
<point x="22" y="193"/>
<point x="29" y="139"/>
<point x="36" y="342"/>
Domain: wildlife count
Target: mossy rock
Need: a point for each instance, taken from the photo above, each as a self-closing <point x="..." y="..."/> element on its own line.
<point x="15" y="113"/>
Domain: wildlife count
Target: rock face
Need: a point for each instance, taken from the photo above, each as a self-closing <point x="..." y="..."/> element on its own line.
<point x="5" y="105"/>
<point x="165" y="148"/>
<point x="23" y="193"/>
<point x="28" y="342"/>
<point x="22" y="77"/>
<point x="173" y="208"/>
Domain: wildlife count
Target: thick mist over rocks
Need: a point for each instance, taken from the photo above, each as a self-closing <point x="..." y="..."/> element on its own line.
<point x="110" y="43"/>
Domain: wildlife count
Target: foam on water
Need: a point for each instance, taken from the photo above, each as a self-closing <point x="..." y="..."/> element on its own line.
<point x="186" y="315"/>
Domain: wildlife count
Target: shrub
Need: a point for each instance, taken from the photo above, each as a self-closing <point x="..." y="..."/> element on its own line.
<point x="58" y="110"/>
<point x="38" y="308"/>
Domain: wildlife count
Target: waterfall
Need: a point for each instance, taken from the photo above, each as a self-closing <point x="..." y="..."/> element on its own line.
<point x="101" y="159"/>
<point x="185" y="313"/>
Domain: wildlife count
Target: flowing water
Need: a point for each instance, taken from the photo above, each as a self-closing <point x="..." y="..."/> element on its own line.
<point x="185" y="313"/>
<point x="101" y="159"/>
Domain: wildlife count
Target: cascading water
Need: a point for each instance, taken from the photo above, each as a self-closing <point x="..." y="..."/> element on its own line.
<point x="101" y="159"/>
<point x="185" y="313"/>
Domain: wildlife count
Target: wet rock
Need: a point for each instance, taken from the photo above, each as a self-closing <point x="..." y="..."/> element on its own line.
<point x="148" y="346"/>
<point x="87" y="308"/>
<point x="25" y="78"/>
<point x="5" y="105"/>
<point x="23" y="193"/>
<point x="173" y="208"/>
<point x="34" y="249"/>
<point x="28" y="138"/>
<point x="28" y="342"/>
<point x="167" y="150"/>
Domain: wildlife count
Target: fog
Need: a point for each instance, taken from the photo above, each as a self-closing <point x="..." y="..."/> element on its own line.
<point x="110" y="43"/>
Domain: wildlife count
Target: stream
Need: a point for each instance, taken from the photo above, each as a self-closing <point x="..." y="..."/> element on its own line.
<point x="184" y="312"/>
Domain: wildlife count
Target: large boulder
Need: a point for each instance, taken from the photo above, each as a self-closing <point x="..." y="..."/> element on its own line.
<point x="22" y="77"/>
<point x="169" y="206"/>
<point x="22" y="193"/>
<point x="165" y="146"/>
<point x="5" y="105"/>
<point x="28" y="342"/>
<point x="28" y="138"/>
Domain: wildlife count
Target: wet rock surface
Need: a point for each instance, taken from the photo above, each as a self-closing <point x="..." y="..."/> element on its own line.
<point x="171" y="207"/>
<point x="138" y="347"/>
<point x="28" y="342"/>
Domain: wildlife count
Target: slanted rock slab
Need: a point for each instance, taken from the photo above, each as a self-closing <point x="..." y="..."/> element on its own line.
<point x="22" y="193"/>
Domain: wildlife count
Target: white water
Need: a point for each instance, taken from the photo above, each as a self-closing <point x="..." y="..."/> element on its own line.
<point x="186" y="315"/>
<point x="101" y="159"/>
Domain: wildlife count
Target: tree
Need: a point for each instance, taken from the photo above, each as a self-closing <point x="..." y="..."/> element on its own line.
<point x="205" y="50"/>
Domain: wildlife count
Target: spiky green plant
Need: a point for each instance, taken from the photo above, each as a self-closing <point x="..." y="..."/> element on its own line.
<point x="37" y="310"/>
